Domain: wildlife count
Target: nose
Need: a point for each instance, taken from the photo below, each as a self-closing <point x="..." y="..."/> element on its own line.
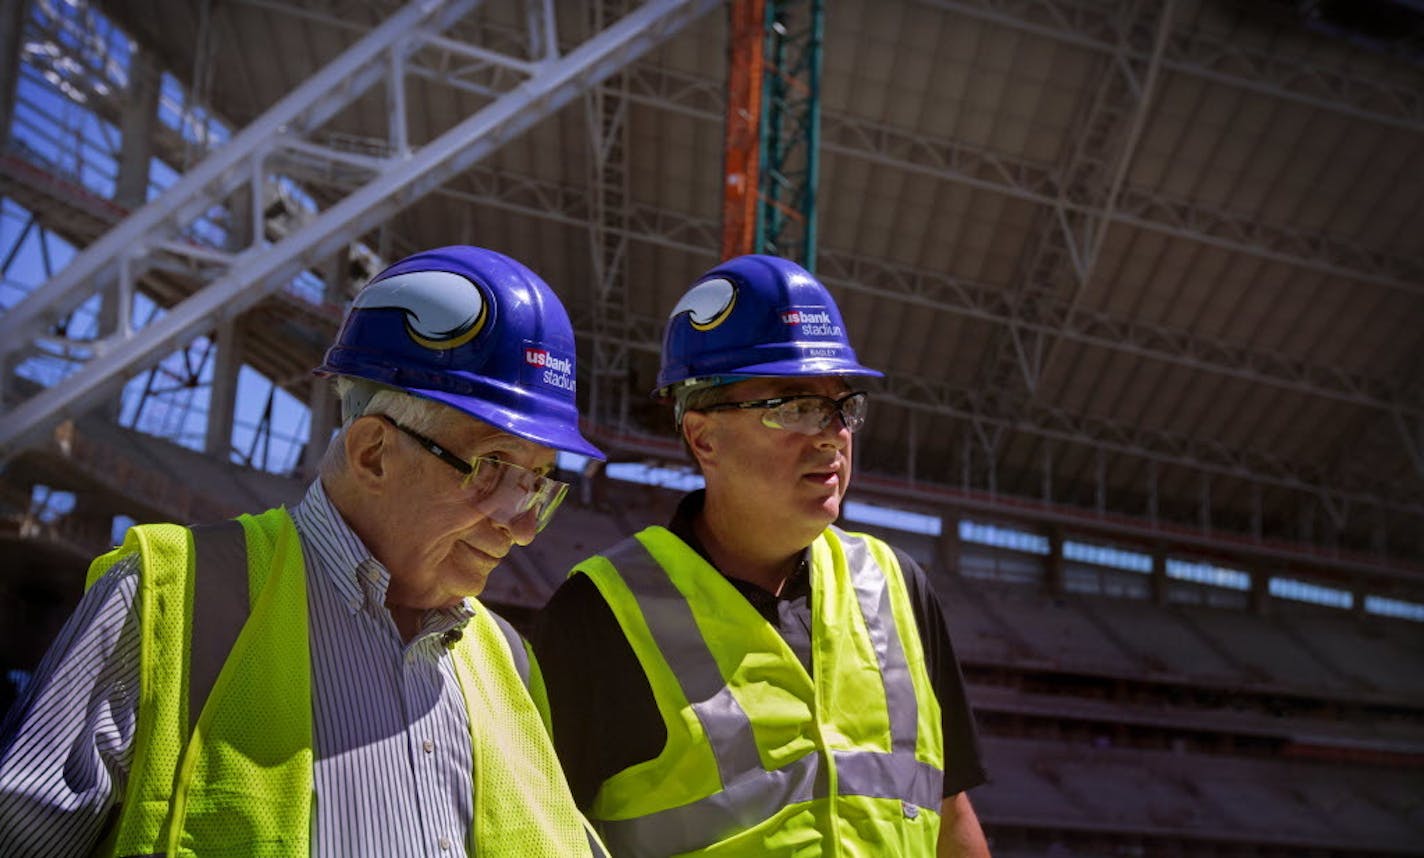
<point x="834" y="435"/>
<point x="521" y="529"/>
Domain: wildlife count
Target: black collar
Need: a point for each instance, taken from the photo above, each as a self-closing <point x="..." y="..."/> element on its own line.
<point x="798" y="585"/>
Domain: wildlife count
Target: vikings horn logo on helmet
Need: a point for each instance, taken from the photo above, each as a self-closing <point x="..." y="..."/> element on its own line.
<point x="442" y="309"/>
<point x="708" y="304"/>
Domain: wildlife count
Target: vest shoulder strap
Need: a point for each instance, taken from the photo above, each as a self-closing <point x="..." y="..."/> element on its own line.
<point x="220" y="606"/>
<point x="516" y="646"/>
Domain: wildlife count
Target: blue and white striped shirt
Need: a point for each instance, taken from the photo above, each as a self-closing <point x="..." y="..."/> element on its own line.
<point x="392" y="742"/>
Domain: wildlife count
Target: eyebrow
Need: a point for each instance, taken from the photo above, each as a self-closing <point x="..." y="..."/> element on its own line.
<point x="514" y="446"/>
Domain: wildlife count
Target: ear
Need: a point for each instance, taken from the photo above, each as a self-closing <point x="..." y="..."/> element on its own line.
<point x="700" y="435"/>
<point x="368" y="448"/>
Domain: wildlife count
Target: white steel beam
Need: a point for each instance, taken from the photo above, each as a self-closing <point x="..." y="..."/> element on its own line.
<point x="304" y="109"/>
<point x="263" y="270"/>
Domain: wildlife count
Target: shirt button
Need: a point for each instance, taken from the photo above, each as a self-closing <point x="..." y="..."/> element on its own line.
<point x="445" y="844"/>
<point x="429" y="746"/>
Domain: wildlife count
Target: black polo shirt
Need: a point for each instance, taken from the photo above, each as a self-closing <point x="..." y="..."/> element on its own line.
<point x="604" y="715"/>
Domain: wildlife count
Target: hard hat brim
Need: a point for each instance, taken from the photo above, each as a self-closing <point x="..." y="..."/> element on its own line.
<point x="556" y="434"/>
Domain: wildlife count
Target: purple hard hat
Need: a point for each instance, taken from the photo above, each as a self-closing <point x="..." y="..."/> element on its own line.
<point x="475" y="330"/>
<point x="754" y="316"/>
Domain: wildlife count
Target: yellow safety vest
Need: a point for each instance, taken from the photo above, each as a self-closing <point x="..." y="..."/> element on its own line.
<point x="760" y="758"/>
<point x="239" y="782"/>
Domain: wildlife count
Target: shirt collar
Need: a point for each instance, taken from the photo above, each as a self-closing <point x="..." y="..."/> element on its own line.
<point x="361" y="581"/>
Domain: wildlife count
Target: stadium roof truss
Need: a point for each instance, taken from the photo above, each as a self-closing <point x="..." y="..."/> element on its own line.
<point x="1158" y="259"/>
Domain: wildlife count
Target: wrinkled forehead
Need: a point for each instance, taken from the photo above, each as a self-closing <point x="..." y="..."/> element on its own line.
<point x="766" y="387"/>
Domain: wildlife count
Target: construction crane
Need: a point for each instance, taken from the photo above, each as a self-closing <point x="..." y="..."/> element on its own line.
<point x="770" y="154"/>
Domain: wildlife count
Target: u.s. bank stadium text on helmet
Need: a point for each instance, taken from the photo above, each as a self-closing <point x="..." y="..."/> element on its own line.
<point x="560" y="379"/>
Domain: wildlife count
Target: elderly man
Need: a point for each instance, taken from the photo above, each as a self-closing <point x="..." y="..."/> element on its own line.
<point x="320" y="681"/>
<point x="751" y="680"/>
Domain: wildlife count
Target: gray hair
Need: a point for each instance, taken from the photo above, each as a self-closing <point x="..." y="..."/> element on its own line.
<point x="360" y="397"/>
<point x="695" y="397"/>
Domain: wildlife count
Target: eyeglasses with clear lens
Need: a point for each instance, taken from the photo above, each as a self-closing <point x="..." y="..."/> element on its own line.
<point x="807" y="413"/>
<point x="501" y="490"/>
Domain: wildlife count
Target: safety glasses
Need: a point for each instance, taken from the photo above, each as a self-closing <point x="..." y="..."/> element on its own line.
<point x="502" y="490"/>
<point x="807" y="413"/>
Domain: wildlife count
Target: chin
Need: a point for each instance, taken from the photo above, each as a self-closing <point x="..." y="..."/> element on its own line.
<point x="822" y="517"/>
<point x="472" y="587"/>
<point x="464" y="582"/>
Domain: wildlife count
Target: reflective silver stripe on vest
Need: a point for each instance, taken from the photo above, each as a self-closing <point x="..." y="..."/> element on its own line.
<point x="898" y="775"/>
<point x="516" y="647"/>
<point x="669" y="618"/>
<point x="743" y="804"/>
<point x="593" y="847"/>
<point x="873" y="592"/>
<point x="751" y="794"/>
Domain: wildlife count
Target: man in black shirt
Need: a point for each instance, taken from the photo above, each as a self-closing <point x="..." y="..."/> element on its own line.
<point x="750" y="680"/>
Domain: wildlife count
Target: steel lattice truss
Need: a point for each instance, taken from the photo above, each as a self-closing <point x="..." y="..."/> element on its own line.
<point x="522" y="70"/>
<point x="400" y="179"/>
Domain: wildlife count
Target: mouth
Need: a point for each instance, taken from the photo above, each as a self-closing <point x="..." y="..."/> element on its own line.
<point x="484" y="556"/>
<point x="827" y="475"/>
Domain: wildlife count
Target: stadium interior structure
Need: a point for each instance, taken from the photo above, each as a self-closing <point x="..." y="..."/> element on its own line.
<point x="1146" y="279"/>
